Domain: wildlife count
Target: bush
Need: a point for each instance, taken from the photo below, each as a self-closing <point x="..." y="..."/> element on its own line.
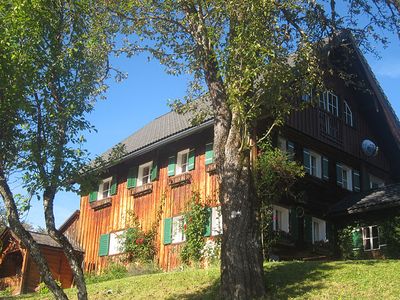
<point x="113" y="271"/>
<point x="42" y="288"/>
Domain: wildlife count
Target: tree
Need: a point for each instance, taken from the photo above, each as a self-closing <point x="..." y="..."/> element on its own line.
<point x="252" y="58"/>
<point x="53" y="62"/>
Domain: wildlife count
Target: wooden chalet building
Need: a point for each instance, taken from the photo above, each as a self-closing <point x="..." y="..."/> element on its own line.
<point x="169" y="158"/>
<point x="18" y="270"/>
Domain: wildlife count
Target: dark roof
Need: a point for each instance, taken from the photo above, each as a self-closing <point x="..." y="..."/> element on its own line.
<point x="166" y="126"/>
<point x="376" y="199"/>
<point x="45" y="240"/>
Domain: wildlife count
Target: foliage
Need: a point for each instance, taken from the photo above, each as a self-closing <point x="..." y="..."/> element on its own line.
<point x="195" y="222"/>
<point x="389" y="231"/>
<point x="137" y="244"/>
<point x="211" y="252"/>
<point x="7" y="292"/>
<point x="345" y="243"/>
<point x="277" y="172"/>
<point x="112" y="272"/>
<point x="42" y="289"/>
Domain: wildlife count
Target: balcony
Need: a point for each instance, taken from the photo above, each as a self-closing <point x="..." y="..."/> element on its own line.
<point x="330" y="127"/>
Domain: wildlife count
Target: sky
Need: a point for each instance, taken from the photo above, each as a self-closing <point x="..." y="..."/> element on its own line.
<point x="143" y="96"/>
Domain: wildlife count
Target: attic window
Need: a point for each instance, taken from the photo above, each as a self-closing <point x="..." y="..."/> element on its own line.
<point x="329" y="101"/>
<point x="348" y="114"/>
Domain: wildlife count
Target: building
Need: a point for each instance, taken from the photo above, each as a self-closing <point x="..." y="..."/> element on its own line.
<point x="18" y="270"/>
<point x="336" y="139"/>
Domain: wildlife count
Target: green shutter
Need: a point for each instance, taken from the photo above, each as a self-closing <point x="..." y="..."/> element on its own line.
<point x="167" y="231"/>
<point x="132" y="177"/>
<point x="191" y="159"/>
<point x="154" y="172"/>
<point x="294" y="224"/>
<point x="357" y="239"/>
<point x="209" y="156"/>
<point x="207" y="228"/>
<point x="325" y="168"/>
<point x="356" y="181"/>
<point x="306" y="160"/>
<point x="339" y="174"/>
<point x="113" y="188"/>
<point x="104" y="244"/>
<point x="92" y="196"/>
<point x="308" y="229"/>
<point x="171" y="165"/>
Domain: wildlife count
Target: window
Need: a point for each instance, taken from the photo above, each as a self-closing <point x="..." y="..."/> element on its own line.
<point x="116" y="242"/>
<point x="182" y="165"/>
<point x="348" y="115"/>
<point x="286" y="146"/>
<point x="370" y="237"/>
<point x="313" y="163"/>
<point x="178" y="230"/>
<point x="105" y="189"/>
<point x="280" y="217"/>
<point x="375" y="182"/>
<point x="348" y="178"/>
<point x="318" y="230"/>
<point x="329" y="102"/>
<point x="144" y="173"/>
<point x="216" y="221"/>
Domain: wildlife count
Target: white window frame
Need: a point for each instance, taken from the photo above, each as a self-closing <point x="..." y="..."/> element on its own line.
<point x="330" y="103"/>
<point x="178" y="232"/>
<point x="216" y="221"/>
<point x="280" y="217"/>
<point x="100" y="193"/>
<point x="321" y="234"/>
<point x="375" y="180"/>
<point x="315" y="170"/>
<point x="282" y="144"/>
<point x="370" y="238"/>
<point x="141" y="177"/>
<point x="181" y="164"/>
<point x="348" y="183"/>
<point x="116" y="245"/>
<point x="348" y="114"/>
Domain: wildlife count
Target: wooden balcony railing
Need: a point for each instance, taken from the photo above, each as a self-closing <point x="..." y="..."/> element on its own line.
<point x="330" y="127"/>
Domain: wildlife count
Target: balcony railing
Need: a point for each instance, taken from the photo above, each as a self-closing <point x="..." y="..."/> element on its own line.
<point x="330" y="127"/>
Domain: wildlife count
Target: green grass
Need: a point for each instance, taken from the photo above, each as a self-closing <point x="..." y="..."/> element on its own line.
<point x="284" y="280"/>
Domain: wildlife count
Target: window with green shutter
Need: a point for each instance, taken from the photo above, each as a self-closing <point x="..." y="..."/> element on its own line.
<point x="306" y="161"/>
<point x="308" y="234"/>
<point x="171" y="165"/>
<point x="114" y="185"/>
<point x="92" y="196"/>
<point x="191" y="159"/>
<point x="154" y="172"/>
<point x="207" y="228"/>
<point x="104" y="244"/>
<point x="356" y="181"/>
<point x="325" y="168"/>
<point x="132" y="177"/>
<point x="293" y="224"/>
<point x="209" y="154"/>
<point x="167" y="231"/>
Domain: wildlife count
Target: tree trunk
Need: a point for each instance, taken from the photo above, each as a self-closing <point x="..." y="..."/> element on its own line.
<point x="79" y="278"/>
<point x="241" y="253"/>
<point x="27" y="240"/>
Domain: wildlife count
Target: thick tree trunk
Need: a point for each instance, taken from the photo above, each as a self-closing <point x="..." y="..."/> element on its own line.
<point x="27" y="240"/>
<point x="79" y="278"/>
<point x="241" y="255"/>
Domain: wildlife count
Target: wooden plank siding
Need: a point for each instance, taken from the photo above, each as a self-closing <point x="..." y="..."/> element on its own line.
<point x="92" y="223"/>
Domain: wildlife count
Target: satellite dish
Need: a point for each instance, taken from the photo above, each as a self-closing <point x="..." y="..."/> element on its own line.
<point x="369" y="148"/>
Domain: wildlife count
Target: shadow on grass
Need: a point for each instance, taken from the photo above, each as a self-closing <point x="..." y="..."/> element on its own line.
<point x="283" y="280"/>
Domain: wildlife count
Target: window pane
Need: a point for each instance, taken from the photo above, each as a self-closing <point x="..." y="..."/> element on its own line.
<point x="375" y="243"/>
<point x="367" y="232"/>
<point x="367" y="244"/>
<point x="375" y="231"/>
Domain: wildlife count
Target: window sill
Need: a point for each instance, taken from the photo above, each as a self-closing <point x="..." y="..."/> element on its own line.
<point x="142" y="190"/>
<point x="211" y="168"/>
<point x="180" y="179"/>
<point x="99" y="204"/>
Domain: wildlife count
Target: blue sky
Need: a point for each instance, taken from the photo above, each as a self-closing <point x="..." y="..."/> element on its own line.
<point x="143" y="96"/>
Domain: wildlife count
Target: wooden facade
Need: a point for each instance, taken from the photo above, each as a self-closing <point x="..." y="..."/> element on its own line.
<point x="18" y="271"/>
<point x="313" y="129"/>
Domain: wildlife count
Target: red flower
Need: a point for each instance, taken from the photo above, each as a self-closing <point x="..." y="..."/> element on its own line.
<point x="184" y="227"/>
<point x="139" y="241"/>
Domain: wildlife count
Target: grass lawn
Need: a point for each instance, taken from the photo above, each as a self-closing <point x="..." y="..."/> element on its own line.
<point x="284" y="280"/>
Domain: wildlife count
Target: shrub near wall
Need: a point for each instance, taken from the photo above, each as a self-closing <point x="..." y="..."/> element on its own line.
<point x="350" y="242"/>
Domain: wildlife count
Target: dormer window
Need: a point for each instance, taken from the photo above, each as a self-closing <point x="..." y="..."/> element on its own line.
<point x="329" y="101"/>
<point x="348" y="114"/>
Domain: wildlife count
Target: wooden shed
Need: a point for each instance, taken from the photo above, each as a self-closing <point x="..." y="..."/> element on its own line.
<point x="18" y="270"/>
